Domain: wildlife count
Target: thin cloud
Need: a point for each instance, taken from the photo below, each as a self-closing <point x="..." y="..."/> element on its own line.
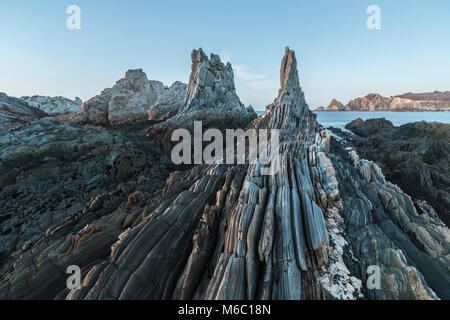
<point x="243" y="75"/>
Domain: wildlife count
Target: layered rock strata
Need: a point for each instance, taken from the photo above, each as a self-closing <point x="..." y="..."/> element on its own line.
<point x="15" y="112"/>
<point x="210" y="97"/>
<point x="415" y="156"/>
<point x="307" y="231"/>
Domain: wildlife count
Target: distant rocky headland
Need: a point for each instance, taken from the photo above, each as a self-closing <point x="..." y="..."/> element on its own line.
<point x="430" y="101"/>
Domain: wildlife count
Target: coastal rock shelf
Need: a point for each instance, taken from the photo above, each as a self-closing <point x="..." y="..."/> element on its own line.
<point x="415" y="156"/>
<point x="141" y="230"/>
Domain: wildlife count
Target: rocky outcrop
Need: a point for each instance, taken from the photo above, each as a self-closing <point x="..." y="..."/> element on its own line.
<point x="66" y="194"/>
<point x="54" y="105"/>
<point x="369" y="127"/>
<point x="15" y="112"/>
<point x="308" y="230"/>
<point x="334" y="105"/>
<point x="129" y="100"/>
<point x="384" y="229"/>
<point x="211" y="92"/>
<point x="256" y="236"/>
<point x="210" y="97"/>
<point x="408" y="102"/>
<point x="281" y="236"/>
<point x="169" y="102"/>
<point x="371" y="102"/>
<point x="414" y="156"/>
<point x="289" y="111"/>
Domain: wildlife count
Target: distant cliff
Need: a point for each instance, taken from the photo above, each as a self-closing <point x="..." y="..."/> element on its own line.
<point x="431" y="101"/>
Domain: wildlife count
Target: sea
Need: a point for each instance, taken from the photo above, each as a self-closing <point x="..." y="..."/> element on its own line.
<point x="339" y="119"/>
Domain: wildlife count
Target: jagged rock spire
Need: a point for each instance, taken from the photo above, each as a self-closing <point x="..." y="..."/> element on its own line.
<point x="211" y="83"/>
<point x="289" y="111"/>
<point x="288" y="72"/>
<point x="210" y="97"/>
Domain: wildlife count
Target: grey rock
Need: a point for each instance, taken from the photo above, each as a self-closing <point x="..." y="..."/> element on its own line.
<point x="15" y="112"/>
<point x="414" y="156"/>
<point x="54" y="105"/>
<point x="129" y="100"/>
<point x="169" y="102"/>
<point x="210" y="97"/>
<point x="308" y="231"/>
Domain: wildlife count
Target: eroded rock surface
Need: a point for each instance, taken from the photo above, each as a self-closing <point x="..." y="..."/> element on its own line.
<point x="129" y="100"/>
<point x="309" y="230"/>
<point x="169" y="102"/>
<point x="210" y="97"/>
<point x="384" y="229"/>
<point x="15" y="112"/>
<point x="54" y="105"/>
<point x="415" y="156"/>
<point x="65" y="197"/>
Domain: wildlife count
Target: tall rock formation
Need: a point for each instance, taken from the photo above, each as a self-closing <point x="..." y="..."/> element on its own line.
<point x="262" y="237"/>
<point x="129" y="100"/>
<point x="210" y="97"/>
<point x="289" y="111"/>
<point x="211" y="92"/>
<point x="310" y="230"/>
<point x="290" y="235"/>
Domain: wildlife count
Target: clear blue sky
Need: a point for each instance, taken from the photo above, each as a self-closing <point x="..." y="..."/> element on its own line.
<point x="338" y="56"/>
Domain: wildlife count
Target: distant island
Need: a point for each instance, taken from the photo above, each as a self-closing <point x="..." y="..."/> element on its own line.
<point x="429" y="101"/>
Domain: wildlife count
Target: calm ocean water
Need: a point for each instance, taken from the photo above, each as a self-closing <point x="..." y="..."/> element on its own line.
<point x="340" y="119"/>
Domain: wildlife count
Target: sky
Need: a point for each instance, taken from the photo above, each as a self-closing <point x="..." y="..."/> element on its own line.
<point x="338" y="56"/>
